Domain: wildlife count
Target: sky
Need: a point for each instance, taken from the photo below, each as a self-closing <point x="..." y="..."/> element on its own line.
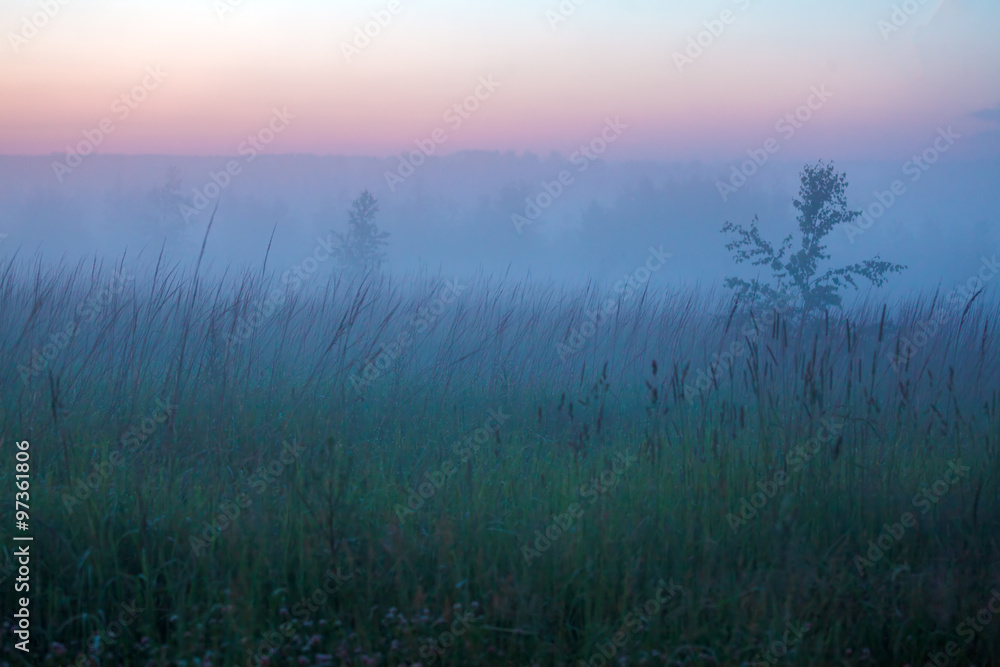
<point x="684" y="79"/>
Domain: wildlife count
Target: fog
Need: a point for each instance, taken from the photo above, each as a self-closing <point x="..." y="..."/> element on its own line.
<point x="554" y="332"/>
<point x="492" y="212"/>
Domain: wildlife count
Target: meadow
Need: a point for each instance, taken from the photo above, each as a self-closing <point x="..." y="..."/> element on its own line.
<point x="231" y="469"/>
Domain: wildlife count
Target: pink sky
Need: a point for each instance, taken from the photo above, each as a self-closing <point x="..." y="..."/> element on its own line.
<point x="557" y="84"/>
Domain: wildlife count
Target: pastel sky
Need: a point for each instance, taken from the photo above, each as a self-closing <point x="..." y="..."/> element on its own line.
<point x="229" y="63"/>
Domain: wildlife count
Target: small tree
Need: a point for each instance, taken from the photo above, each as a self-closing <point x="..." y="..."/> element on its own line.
<point x="156" y="214"/>
<point x="167" y="199"/>
<point x="362" y="247"/>
<point x="822" y="205"/>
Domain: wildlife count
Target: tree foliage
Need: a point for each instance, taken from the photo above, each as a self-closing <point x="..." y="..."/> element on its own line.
<point x="362" y="247"/>
<point x="156" y="214"/>
<point x="796" y="276"/>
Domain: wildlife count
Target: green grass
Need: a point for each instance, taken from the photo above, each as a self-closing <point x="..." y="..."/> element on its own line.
<point x="352" y="459"/>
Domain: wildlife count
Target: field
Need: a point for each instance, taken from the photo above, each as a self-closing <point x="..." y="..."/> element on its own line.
<point x="235" y="470"/>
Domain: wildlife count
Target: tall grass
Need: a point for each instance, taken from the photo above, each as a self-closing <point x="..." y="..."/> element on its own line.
<point x="204" y="407"/>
